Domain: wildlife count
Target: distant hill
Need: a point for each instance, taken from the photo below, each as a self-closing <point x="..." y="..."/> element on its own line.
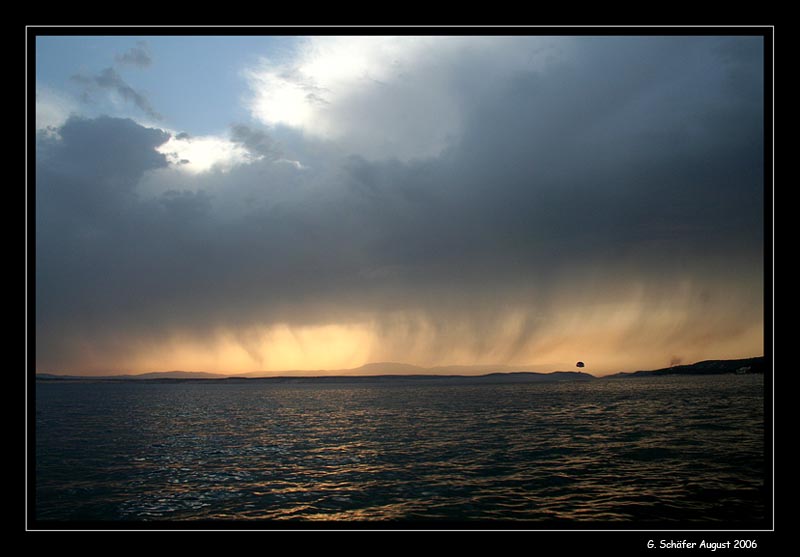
<point x="515" y="377"/>
<point x="139" y="376"/>
<point x="397" y="372"/>
<point x="706" y="367"/>
<point x="487" y="369"/>
<point x="377" y="368"/>
<point x="178" y="375"/>
<point x="394" y="368"/>
<point x="400" y="375"/>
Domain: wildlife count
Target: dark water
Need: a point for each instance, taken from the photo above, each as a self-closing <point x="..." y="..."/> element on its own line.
<point x="682" y="449"/>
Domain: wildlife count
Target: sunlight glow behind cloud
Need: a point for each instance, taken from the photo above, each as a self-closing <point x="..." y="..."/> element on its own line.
<point x="201" y="154"/>
<point x="386" y="96"/>
<point x="637" y="330"/>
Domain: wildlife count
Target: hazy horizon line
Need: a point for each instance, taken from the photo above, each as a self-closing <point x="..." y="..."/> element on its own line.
<point x="501" y="368"/>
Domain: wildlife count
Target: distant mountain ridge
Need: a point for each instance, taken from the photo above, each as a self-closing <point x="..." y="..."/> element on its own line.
<point x="706" y="367"/>
<point x="392" y="371"/>
<point x="139" y="376"/>
<point x="392" y="368"/>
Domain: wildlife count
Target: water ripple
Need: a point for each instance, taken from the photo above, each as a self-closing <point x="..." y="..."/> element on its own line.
<point x="666" y="449"/>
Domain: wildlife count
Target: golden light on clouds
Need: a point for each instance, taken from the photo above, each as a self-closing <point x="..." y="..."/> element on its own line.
<point x="260" y="349"/>
<point x="636" y="330"/>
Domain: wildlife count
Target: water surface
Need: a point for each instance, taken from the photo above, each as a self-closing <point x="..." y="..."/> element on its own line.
<point x="682" y="449"/>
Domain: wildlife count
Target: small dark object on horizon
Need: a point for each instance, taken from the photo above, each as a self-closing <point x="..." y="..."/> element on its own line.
<point x="579" y="364"/>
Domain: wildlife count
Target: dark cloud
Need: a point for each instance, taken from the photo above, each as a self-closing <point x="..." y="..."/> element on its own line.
<point x="110" y="80"/>
<point x="138" y="56"/>
<point x="256" y="142"/>
<point x="633" y="172"/>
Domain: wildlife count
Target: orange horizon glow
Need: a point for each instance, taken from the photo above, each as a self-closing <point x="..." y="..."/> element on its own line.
<point x="612" y="341"/>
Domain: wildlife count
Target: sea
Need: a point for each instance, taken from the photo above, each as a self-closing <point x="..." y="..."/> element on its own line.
<point x="687" y="451"/>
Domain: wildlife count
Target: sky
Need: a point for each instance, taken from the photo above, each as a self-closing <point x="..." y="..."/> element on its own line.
<point x="237" y="204"/>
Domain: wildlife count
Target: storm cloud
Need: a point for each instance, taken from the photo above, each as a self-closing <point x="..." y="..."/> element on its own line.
<point x="256" y="142"/>
<point x="607" y="203"/>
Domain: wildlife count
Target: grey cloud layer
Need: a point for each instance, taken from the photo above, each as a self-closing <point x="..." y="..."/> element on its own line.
<point x="638" y="162"/>
<point x="256" y="142"/>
